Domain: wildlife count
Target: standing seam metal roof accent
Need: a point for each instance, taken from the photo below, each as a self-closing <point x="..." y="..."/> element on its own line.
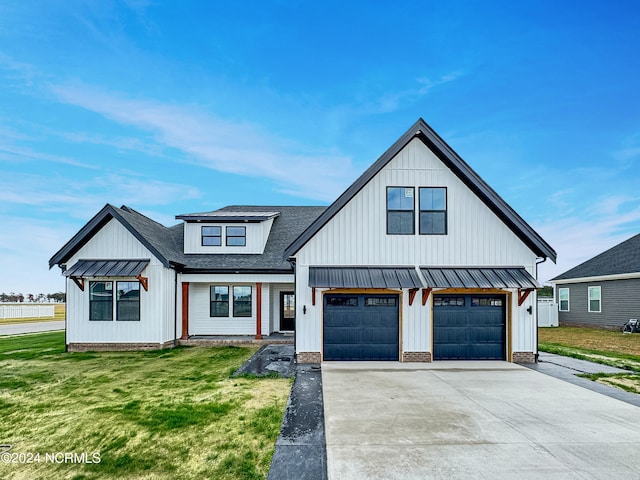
<point x="478" y="277"/>
<point x="364" y="277"/>
<point x="107" y="268"/>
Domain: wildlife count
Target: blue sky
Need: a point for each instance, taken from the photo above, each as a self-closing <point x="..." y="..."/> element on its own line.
<point x="178" y="107"/>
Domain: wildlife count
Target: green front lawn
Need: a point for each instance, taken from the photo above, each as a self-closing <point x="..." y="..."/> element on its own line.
<point x="164" y="414"/>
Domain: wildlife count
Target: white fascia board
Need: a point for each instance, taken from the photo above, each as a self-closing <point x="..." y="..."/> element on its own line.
<point x="236" y="278"/>
<point x="600" y="278"/>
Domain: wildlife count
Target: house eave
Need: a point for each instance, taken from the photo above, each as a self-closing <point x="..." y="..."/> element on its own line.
<point x="596" y="278"/>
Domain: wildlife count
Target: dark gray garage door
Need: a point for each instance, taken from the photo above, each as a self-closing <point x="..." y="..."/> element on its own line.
<point x="361" y="327"/>
<point x="469" y="327"/>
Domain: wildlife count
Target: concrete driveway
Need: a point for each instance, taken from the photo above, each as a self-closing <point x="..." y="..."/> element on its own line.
<point x="472" y="420"/>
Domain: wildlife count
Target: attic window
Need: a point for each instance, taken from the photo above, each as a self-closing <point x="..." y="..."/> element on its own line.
<point x="433" y="211"/>
<point x="236" y="236"/>
<point x="211" y="236"/>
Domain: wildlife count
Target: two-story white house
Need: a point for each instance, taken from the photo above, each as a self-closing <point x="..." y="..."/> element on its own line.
<point x="418" y="260"/>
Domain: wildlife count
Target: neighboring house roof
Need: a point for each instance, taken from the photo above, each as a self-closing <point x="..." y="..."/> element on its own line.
<point x="451" y="159"/>
<point x="167" y="243"/>
<point x="621" y="259"/>
<point x="150" y="233"/>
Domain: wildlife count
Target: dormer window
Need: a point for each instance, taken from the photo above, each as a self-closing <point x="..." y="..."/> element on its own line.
<point x="211" y="236"/>
<point x="236" y="236"/>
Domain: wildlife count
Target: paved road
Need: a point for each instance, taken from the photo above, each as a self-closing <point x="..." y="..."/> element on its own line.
<point x="19" y="328"/>
<point x="472" y="420"/>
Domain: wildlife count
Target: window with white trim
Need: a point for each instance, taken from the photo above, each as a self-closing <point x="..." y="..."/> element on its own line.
<point x="595" y="299"/>
<point x="563" y="298"/>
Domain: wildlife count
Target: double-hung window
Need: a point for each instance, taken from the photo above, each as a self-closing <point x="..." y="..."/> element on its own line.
<point x="236" y="236"/>
<point x="128" y="301"/>
<point x="433" y="211"/>
<point x="219" y="301"/>
<point x="400" y="211"/>
<point x="211" y="236"/>
<point x="595" y="299"/>
<point x="101" y="301"/>
<point x="242" y="301"/>
<point x="563" y="296"/>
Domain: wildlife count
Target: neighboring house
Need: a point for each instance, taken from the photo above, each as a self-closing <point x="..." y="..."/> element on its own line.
<point x="418" y="260"/>
<point x="603" y="291"/>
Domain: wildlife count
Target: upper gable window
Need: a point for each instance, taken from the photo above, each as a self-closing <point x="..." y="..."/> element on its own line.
<point x="236" y="236"/>
<point x="433" y="211"/>
<point x="211" y="236"/>
<point x="400" y="211"/>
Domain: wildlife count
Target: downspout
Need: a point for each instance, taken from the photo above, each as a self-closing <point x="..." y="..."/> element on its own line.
<point x="544" y="259"/>
<point x="292" y="261"/>
<point x="175" y="308"/>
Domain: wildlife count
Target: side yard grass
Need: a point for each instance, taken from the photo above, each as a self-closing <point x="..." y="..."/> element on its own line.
<point x="173" y="414"/>
<point x="59" y="314"/>
<point x="600" y="346"/>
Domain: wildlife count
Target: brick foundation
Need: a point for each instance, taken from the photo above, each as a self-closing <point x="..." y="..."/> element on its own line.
<point x="424" y="357"/>
<point x="524" y="357"/>
<point x="309" y="357"/>
<point x="115" y="347"/>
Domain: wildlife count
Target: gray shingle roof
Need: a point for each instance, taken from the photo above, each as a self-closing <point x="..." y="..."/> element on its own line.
<point x="623" y="258"/>
<point x="167" y="243"/>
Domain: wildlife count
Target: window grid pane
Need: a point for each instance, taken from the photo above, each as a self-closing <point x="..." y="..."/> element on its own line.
<point x="219" y="301"/>
<point x="241" y="301"/>
<point x="128" y="301"/>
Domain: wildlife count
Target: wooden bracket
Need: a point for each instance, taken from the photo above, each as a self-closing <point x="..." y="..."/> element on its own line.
<point x="79" y="282"/>
<point x="523" y="294"/>
<point x="144" y="281"/>
<point x="313" y="296"/>
<point x="412" y="295"/>
<point x="425" y="295"/>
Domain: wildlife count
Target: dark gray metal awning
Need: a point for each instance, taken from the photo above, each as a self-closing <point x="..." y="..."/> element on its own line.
<point x="478" y="277"/>
<point x="364" y="277"/>
<point x="107" y="268"/>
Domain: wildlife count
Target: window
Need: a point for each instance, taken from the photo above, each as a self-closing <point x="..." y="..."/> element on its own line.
<point x="563" y="294"/>
<point x="380" y="302"/>
<point x="400" y="211"/>
<point x="211" y="236"/>
<point x="342" y="301"/>
<point x="448" y="301"/>
<point x="236" y="236"/>
<point x="433" y="211"/>
<point x="128" y="301"/>
<point x="595" y="303"/>
<point x="219" y="301"/>
<point x="241" y="301"/>
<point x="486" y="302"/>
<point x="100" y="301"/>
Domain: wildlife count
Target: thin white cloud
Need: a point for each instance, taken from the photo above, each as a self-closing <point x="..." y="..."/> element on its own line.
<point x="212" y="142"/>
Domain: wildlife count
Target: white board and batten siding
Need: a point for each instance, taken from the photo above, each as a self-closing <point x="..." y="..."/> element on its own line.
<point x="356" y="235"/>
<point x="157" y="306"/>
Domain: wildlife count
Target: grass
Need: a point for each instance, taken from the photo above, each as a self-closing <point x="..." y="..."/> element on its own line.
<point x="162" y="414"/>
<point x="59" y="314"/>
<point x="600" y="346"/>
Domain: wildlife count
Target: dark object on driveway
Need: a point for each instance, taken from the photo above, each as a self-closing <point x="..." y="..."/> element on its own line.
<point x="269" y="360"/>
<point x="632" y="326"/>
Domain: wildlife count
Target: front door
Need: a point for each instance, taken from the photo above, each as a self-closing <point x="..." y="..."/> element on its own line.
<point x="287" y="311"/>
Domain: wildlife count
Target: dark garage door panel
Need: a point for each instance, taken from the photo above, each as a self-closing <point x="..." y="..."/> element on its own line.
<point x="472" y="329"/>
<point x="355" y="331"/>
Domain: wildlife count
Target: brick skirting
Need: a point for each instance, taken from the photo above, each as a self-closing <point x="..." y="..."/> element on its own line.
<point x="524" y="357"/>
<point x="309" y="357"/>
<point x="424" y="357"/>
<point x="114" y="347"/>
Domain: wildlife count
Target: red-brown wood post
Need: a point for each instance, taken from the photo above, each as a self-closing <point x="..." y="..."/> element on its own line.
<point x="185" y="311"/>
<point x="259" y="311"/>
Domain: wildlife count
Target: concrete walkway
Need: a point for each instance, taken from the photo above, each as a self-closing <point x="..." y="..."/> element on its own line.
<point x="472" y="420"/>
<point x="35" y="327"/>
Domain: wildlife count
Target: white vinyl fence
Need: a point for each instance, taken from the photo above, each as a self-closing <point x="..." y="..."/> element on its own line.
<point x="547" y="313"/>
<point x="27" y="311"/>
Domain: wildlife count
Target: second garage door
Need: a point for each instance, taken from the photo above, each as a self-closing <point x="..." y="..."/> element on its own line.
<point x="361" y="327"/>
<point x="469" y="327"/>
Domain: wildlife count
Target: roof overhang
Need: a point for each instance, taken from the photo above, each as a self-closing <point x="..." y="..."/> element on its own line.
<point x="479" y="277"/>
<point x="364" y="277"/>
<point x="228" y="217"/>
<point x="598" y="278"/>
